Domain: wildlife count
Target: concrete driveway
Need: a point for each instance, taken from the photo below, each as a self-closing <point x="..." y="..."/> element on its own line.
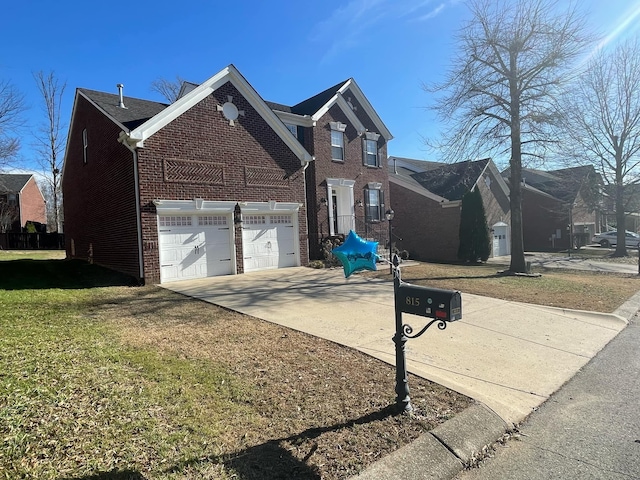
<point x="509" y="356"/>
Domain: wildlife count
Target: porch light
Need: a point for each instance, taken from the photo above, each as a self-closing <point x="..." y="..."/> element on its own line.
<point x="358" y="203"/>
<point x="323" y="202"/>
<point x="389" y="214"/>
<point x="199" y="202"/>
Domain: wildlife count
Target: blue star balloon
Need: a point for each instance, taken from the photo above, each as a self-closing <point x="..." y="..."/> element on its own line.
<point x="356" y="254"/>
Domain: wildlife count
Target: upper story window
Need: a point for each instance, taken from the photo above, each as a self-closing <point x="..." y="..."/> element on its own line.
<point x="373" y="202"/>
<point x="337" y="140"/>
<point x="85" y="145"/>
<point x="370" y="156"/>
<point x="293" y="129"/>
<point x="12" y="199"/>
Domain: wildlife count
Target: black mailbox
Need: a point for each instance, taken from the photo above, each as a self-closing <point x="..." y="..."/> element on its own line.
<point x="429" y="302"/>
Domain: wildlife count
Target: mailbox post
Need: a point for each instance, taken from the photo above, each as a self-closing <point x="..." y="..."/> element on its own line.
<point x="442" y="305"/>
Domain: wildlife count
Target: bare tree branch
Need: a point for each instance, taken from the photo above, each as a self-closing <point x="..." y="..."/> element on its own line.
<point x="500" y="94"/>
<point x="169" y="89"/>
<point x="12" y="105"/>
<point x="50" y="137"/>
<point x="603" y="120"/>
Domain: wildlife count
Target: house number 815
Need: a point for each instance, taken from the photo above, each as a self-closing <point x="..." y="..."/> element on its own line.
<point x="413" y="301"/>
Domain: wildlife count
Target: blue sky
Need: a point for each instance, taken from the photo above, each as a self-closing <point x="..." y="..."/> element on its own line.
<point x="288" y="50"/>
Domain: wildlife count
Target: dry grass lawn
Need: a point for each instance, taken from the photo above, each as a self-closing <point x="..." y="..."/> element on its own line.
<point x="574" y="289"/>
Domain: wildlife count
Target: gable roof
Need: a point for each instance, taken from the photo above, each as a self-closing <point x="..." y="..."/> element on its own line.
<point x="563" y="184"/>
<point x="316" y="106"/>
<point x="137" y="111"/>
<point x="315" y="103"/>
<point x="136" y="137"/>
<point x="13" y="182"/>
<point x="413" y="165"/>
<point x="452" y="181"/>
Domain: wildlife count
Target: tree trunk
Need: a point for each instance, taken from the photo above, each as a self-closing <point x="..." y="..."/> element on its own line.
<point x="518" y="264"/>
<point x="621" y="247"/>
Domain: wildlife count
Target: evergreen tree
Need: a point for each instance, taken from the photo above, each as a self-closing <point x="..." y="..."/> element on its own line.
<point x="474" y="232"/>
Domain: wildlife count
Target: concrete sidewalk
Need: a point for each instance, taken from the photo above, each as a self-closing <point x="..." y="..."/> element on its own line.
<point x="509" y="356"/>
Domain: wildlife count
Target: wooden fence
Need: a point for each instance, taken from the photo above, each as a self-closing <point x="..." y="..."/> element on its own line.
<point x="32" y="241"/>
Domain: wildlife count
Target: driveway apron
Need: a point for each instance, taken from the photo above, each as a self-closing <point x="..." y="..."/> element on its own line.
<point x="510" y="356"/>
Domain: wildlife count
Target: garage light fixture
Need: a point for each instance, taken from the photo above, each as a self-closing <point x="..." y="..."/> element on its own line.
<point x="199" y="202"/>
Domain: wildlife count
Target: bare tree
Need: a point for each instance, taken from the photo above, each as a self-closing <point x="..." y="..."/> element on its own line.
<point x="500" y="95"/>
<point x="8" y="215"/>
<point x="169" y="89"/>
<point x="50" y="137"/>
<point x="603" y="121"/>
<point x="12" y="106"/>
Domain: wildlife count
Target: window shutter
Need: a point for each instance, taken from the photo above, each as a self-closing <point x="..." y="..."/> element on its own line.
<point x="381" y="213"/>
<point x="364" y="150"/>
<point x="367" y="217"/>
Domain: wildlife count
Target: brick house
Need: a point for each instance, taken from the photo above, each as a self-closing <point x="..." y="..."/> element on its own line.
<point x="558" y="200"/>
<point x="215" y="183"/>
<point x="21" y="201"/>
<point x="347" y="182"/>
<point x="427" y="200"/>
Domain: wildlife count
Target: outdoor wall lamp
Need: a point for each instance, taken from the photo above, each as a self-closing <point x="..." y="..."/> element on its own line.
<point x="323" y="202"/>
<point x="358" y="203"/>
<point x="389" y="214"/>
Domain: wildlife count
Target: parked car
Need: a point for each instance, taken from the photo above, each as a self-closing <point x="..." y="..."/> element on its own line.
<point x="607" y="239"/>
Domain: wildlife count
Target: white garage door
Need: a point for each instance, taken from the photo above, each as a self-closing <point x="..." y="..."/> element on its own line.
<point x="268" y="241"/>
<point x="194" y="246"/>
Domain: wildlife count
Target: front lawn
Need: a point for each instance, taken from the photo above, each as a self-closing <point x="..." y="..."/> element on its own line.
<point x="119" y="382"/>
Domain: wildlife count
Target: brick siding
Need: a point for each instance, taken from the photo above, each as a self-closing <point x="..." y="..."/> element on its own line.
<point x="318" y="142"/>
<point x="32" y="205"/>
<point x="99" y="196"/>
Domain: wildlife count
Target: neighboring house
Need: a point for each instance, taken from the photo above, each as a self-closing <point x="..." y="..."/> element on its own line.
<point x="631" y="202"/>
<point x="427" y="199"/>
<point x="557" y="201"/>
<point x="21" y="202"/>
<point x="216" y="183"/>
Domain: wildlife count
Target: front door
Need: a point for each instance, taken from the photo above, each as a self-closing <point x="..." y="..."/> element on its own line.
<point x="342" y="210"/>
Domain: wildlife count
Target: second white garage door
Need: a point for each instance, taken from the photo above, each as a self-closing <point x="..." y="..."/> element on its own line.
<point x="268" y="241"/>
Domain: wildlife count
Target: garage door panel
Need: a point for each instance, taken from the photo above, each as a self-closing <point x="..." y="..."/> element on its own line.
<point x="197" y="248"/>
<point x="269" y="242"/>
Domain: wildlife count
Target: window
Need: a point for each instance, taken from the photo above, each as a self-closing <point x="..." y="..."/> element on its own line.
<point x="374" y="203"/>
<point x="85" y="144"/>
<point x="371" y="153"/>
<point x="370" y="149"/>
<point x="337" y="145"/>
<point x="212" y="220"/>
<point x="12" y="199"/>
<point x="175" y="221"/>
<point x="293" y="129"/>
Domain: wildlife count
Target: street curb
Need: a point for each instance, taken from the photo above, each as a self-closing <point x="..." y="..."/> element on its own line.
<point x="441" y="453"/>
<point x="629" y="308"/>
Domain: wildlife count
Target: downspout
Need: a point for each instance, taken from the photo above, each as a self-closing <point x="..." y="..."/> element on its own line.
<point x="306" y="210"/>
<point x="122" y="138"/>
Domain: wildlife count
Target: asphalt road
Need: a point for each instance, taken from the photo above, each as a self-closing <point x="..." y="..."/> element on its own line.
<point x="589" y="429"/>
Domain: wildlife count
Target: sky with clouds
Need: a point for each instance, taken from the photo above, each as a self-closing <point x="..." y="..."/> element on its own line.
<point x="288" y="50"/>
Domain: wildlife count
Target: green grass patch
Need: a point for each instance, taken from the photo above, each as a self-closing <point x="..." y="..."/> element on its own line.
<point x="74" y="400"/>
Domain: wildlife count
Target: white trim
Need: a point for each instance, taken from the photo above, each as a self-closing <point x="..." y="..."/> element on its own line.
<point x="366" y="105"/>
<point x="339" y="100"/>
<point x="230" y="74"/>
<point x="169" y="207"/>
<point x="340" y="182"/>
<point x="269" y="207"/>
<point x="294" y="119"/>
